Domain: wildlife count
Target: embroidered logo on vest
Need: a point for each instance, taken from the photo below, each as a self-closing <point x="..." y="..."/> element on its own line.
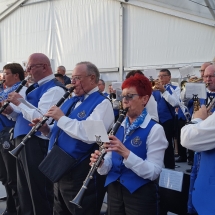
<point x="136" y="142"/>
<point x="6" y="145"/>
<point x="81" y="115"/>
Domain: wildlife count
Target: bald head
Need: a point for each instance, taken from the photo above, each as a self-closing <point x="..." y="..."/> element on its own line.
<point x="203" y="67"/>
<point x="39" y="66"/>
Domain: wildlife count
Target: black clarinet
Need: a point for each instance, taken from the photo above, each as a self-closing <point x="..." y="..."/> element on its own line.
<point x="22" y="84"/>
<point x="79" y="197"/>
<point x="15" y="152"/>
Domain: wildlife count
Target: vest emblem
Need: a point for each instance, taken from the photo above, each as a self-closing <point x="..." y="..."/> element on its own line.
<point x="6" y="145"/>
<point x="81" y="115"/>
<point x="136" y="142"/>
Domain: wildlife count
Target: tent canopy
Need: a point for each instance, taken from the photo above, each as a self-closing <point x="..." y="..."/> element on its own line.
<point x="116" y="35"/>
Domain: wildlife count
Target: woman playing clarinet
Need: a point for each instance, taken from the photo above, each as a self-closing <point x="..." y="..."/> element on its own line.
<point x="135" y="155"/>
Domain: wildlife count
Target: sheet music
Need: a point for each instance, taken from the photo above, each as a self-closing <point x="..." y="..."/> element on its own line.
<point x="171" y="179"/>
<point x="187" y="71"/>
<point x="117" y="85"/>
<point x="196" y="88"/>
<point x="95" y="128"/>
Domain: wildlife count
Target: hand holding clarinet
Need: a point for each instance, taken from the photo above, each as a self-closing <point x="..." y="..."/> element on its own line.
<point x="39" y="123"/>
<point x="114" y="145"/>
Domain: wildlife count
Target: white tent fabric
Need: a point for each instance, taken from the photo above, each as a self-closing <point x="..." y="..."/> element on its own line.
<point x="155" y="38"/>
<point x="155" y="34"/>
<point x="67" y="31"/>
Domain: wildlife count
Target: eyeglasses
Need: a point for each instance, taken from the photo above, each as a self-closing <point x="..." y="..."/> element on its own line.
<point x="128" y="97"/>
<point x="29" y="68"/>
<point x="161" y="76"/>
<point x="209" y="76"/>
<point x="78" y="78"/>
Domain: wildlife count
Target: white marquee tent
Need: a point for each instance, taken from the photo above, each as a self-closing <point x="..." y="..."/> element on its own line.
<point x="116" y="35"/>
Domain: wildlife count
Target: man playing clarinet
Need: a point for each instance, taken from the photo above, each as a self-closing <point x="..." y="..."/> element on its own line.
<point x="34" y="189"/>
<point x="88" y="104"/>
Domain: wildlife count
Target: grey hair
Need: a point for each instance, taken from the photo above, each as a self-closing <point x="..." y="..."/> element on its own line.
<point x="91" y="69"/>
<point x="62" y="67"/>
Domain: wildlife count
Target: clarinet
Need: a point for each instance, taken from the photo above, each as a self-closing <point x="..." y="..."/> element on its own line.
<point x="79" y="197"/>
<point x="15" y="152"/>
<point x="22" y="84"/>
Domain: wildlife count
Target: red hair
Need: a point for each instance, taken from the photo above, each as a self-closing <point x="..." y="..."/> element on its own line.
<point x="140" y="82"/>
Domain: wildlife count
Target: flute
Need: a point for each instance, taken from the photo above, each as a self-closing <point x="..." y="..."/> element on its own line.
<point x="15" y="152"/>
<point x="22" y="84"/>
<point x="78" y="198"/>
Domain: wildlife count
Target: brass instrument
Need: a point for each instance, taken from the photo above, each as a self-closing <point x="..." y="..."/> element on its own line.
<point x="198" y="80"/>
<point x="196" y="103"/>
<point x="195" y="80"/>
<point x="152" y="82"/>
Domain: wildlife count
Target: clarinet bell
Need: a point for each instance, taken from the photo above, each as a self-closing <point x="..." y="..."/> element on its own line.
<point x="15" y="152"/>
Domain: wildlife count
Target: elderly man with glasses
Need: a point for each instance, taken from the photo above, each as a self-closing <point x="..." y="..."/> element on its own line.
<point x="34" y="189"/>
<point x="88" y="105"/>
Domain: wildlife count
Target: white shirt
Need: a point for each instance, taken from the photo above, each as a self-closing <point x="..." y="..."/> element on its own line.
<point x="174" y="98"/>
<point x="151" y="108"/>
<point x="48" y="99"/>
<point x="75" y="129"/>
<point x="151" y="167"/>
<point x="201" y="136"/>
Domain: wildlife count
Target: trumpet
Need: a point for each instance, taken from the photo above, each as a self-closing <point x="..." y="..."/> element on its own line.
<point x="22" y="84"/>
<point x="79" y="197"/>
<point x="15" y="152"/>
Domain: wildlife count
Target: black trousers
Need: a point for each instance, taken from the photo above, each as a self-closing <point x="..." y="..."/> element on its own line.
<point x="67" y="188"/>
<point x="169" y="158"/>
<point x="34" y="189"/>
<point x="182" y="151"/>
<point x="144" y="201"/>
<point x="8" y="176"/>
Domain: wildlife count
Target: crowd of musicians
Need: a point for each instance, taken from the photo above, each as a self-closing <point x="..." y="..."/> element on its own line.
<point x="134" y="157"/>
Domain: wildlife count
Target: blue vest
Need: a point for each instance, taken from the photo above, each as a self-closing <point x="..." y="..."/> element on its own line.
<point x="76" y="148"/>
<point x="136" y="143"/>
<point x="181" y="114"/>
<point x="5" y="122"/>
<point x="204" y="187"/>
<point x="22" y="125"/>
<point x="165" y="110"/>
<point x="106" y="94"/>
